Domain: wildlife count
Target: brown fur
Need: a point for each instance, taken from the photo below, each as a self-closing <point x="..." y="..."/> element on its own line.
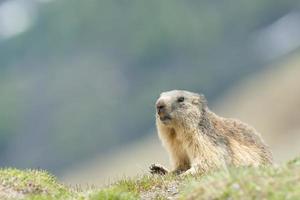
<point x="198" y="140"/>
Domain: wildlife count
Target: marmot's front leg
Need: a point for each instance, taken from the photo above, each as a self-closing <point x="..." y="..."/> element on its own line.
<point x="180" y="161"/>
<point x="158" y="169"/>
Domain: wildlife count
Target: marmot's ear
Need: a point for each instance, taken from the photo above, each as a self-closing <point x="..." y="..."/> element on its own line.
<point x="200" y="100"/>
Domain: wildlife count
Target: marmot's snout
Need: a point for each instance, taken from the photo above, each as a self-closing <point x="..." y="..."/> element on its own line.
<point x="162" y="110"/>
<point x="160" y="107"/>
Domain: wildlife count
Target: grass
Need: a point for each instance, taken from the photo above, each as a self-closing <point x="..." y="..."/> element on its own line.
<point x="281" y="182"/>
<point x="17" y="184"/>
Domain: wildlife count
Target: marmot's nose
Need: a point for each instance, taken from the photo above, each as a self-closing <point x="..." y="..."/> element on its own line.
<point x="160" y="106"/>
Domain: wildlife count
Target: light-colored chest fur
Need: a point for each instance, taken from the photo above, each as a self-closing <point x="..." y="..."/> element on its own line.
<point x="192" y="146"/>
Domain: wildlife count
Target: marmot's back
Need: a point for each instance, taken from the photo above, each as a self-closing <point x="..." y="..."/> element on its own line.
<point x="245" y="143"/>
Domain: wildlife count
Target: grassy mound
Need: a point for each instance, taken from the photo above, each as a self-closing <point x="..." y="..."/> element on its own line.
<point x="18" y="184"/>
<point x="248" y="183"/>
<point x="237" y="183"/>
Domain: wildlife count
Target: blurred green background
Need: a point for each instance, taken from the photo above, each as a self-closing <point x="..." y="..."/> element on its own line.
<point x="80" y="78"/>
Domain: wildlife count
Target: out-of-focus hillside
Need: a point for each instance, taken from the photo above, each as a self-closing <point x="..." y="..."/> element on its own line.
<point x="127" y="161"/>
<point x="269" y="101"/>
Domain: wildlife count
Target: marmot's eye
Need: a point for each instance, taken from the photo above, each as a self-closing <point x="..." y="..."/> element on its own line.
<point x="180" y="99"/>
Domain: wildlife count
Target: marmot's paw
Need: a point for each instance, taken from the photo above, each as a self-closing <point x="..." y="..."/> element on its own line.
<point x="190" y="172"/>
<point x="158" y="169"/>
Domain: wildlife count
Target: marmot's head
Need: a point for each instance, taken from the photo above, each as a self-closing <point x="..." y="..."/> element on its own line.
<point x="179" y="107"/>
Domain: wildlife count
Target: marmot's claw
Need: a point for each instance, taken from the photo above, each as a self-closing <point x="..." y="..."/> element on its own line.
<point x="158" y="169"/>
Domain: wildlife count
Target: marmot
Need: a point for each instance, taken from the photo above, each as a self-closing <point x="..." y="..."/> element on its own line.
<point x="198" y="140"/>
